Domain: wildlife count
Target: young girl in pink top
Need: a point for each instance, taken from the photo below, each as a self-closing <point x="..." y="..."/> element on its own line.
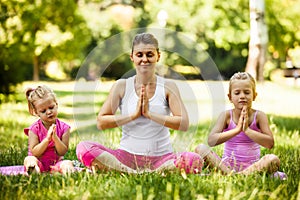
<point x="48" y="137"/>
<point x="243" y="130"/>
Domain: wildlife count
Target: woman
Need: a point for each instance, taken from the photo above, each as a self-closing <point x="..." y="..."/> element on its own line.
<point x="149" y="105"/>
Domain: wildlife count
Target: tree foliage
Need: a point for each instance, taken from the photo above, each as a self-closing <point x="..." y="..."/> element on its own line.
<point x="40" y="31"/>
<point x="284" y="27"/>
<point x="36" y="32"/>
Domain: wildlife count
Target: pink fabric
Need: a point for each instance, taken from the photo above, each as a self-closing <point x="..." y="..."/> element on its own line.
<point x="13" y="170"/>
<point x="49" y="157"/>
<point x="20" y="170"/>
<point x="50" y="166"/>
<point x="240" y="151"/>
<point x="191" y="162"/>
<point x="280" y="175"/>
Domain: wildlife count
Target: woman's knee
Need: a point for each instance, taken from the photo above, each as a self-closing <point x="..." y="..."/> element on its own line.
<point x="190" y="162"/>
<point x="203" y="150"/>
<point x="82" y="148"/>
<point x="87" y="152"/>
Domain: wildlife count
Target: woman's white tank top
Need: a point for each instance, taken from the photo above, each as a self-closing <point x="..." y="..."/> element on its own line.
<point x="143" y="136"/>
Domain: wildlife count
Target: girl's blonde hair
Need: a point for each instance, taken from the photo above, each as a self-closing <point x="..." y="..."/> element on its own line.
<point x="243" y="76"/>
<point x="39" y="93"/>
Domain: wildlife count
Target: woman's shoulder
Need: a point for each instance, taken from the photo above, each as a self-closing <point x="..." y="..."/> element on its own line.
<point x="120" y="84"/>
<point x="118" y="87"/>
<point x="167" y="80"/>
<point x="169" y="83"/>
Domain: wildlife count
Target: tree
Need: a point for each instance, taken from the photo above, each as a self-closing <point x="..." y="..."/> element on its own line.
<point x="282" y="19"/>
<point x="34" y="33"/>
<point x="67" y="31"/>
<point x="220" y="27"/>
<point x="258" y="40"/>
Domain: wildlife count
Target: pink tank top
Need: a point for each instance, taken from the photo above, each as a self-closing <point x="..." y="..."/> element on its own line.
<point x="241" y="151"/>
<point x="49" y="157"/>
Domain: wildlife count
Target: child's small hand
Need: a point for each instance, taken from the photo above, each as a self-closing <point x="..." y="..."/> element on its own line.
<point x="54" y="134"/>
<point x="51" y="132"/>
<point x="240" y="122"/>
<point x="245" y="118"/>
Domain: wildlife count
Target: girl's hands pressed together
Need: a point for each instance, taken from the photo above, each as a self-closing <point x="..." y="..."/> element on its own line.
<point x="51" y="132"/>
<point x="243" y="122"/>
<point x="55" y="138"/>
<point x="240" y="124"/>
<point x="245" y="118"/>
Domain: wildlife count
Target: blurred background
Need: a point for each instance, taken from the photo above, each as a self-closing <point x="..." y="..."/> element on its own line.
<point x="48" y="40"/>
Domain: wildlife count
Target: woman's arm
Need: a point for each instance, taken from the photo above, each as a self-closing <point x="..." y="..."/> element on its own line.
<point x="179" y="119"/>
<point x="106" y="117"/>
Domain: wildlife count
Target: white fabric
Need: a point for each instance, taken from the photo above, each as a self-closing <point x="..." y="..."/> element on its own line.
<point x="143" y="136"/>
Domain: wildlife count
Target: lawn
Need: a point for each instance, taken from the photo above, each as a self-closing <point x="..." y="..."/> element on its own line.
<point x="80" y="108"/>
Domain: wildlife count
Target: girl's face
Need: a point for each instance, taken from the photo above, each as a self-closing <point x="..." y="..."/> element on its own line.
<point x="241" y="94"/>
<point x="46" y="109"/>
<point x="144" y="57"/>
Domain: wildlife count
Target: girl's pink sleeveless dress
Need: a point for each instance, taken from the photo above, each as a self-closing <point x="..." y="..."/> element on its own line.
<point x="240" y="151"/>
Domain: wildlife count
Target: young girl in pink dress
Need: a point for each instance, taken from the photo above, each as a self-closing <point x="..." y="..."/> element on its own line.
<point x="243" y="130"/>
<point x="48" y="137"/>
<point x="149" y="105"/>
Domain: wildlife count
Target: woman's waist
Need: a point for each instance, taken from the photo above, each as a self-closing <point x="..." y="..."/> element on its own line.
<point x="148" y="147"/>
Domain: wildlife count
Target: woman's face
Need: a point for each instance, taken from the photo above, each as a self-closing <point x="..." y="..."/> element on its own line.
<point x="144" y="57"/>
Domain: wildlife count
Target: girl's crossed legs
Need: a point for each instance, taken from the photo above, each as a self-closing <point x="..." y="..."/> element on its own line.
<point x="33" y="165"/>
<point x="269" y="163"/>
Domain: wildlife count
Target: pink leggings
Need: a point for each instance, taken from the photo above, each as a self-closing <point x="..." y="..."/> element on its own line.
<point x="46" y="166"/>
<point x="191" y="162"/>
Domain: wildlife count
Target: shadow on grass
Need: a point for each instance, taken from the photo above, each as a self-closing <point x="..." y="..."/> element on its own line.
<point x="71" y="93"/>
<point x="14" y="155"/>
<point x="286" y="123"/>
<point x="12" y="134"/>
<point x="82" y="116"/>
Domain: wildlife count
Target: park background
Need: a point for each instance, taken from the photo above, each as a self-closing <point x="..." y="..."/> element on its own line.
<point x="48" y="42"/>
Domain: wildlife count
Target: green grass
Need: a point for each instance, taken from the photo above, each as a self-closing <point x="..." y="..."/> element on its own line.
<point x="112" y="185"/>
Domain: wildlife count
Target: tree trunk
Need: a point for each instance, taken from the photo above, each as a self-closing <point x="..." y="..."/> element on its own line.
<point x="258" y="40"/>
<point x="36" y="70"/>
